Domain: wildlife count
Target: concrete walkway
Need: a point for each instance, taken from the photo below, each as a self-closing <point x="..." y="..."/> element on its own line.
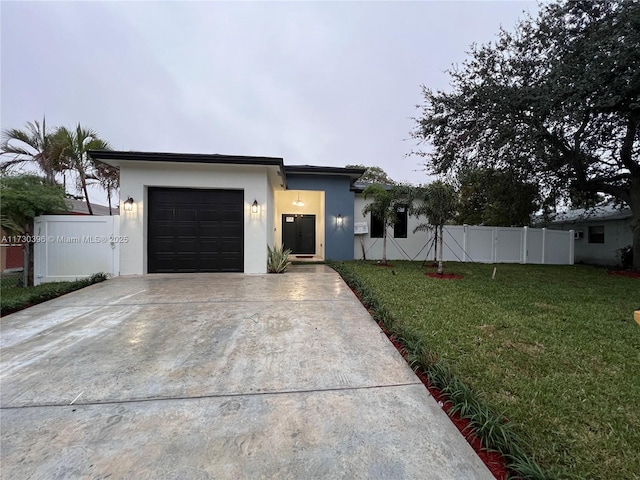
<point x="225" y="376"/>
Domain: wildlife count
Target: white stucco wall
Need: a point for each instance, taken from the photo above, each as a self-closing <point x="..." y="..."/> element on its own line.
<point x="373" y="246"/>
<point x="136" y="177"/>
<point x="271" y="216"/>
<point x="617" y="234"/>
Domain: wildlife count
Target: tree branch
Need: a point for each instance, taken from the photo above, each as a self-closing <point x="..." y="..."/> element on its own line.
<point x="627" y="146"/>
<point x="577" y="137"/>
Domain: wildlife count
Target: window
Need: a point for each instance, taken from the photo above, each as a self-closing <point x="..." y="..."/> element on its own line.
<point x="596" y="234"/>
<point x="400" y="227"/>
<point x="377" y="228"/>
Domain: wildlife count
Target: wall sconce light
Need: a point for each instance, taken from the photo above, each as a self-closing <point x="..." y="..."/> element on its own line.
<point x="254" y="206"/>
<point x="339" y="220"/>
<point x="128" y="204"/>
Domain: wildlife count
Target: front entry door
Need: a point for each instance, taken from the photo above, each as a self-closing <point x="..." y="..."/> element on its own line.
<point x="299" y="233"/>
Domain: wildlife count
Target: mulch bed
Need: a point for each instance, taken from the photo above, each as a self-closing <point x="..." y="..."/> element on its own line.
<point x="624" y="273"/>
<point x="444" y="276"/>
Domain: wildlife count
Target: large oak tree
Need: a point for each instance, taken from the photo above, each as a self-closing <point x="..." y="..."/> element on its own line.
<point x="495" y="197"/>
<point x="557" y="101"/>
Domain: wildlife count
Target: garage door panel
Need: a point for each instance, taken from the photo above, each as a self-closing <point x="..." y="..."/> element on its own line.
<point x="165" y="245"/>
<point x="193" y="230"/>
<point x="186" y="230"/>
<point x="209" y="215"/>
<point x="227" y="216"/>
<point x="187" y="263"/>
<point x="209" y="244"/>
<point x="164" y="195"/>
<point x="187" y="245"/>
<point x="165" y="231"/>
<point x="187" y="214"/>
<point x="209" y="230"/>
<point x="162" y="214"/>
<point x="228" y="246"/>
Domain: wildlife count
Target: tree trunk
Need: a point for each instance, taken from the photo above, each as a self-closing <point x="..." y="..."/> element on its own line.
<point x="440" y="267"/>
<point x="384" y="248"/>
<point x="636" y="242"/>
<point x="435" y="245"/>
<point x="109" y="200"/>
<point x="634" y="204"/>
<point x="29" y="267"/>
<point x="86" y="194"/>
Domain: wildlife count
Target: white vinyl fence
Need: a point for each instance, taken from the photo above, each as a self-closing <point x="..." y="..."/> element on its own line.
<point x="68" y="247"/>
<point x="465" y="243"/>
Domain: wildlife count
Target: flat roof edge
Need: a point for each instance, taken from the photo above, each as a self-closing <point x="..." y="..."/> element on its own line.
<point x="185" y="158"/>
<point x="318" y="170"/>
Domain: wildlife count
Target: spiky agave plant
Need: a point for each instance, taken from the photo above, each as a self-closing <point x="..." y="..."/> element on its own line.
<point x="277" y="259"/>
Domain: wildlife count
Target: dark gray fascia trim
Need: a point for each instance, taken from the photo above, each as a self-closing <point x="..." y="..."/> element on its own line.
<point x="324" y="170"/>
<point x="353" y="173"/>
<point x="184" y="157"/>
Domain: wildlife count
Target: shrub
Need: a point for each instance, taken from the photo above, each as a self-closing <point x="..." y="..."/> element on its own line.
<point x="625" y="255"/>
<point x="277" y="259"/>
<point x="17" y="298"/>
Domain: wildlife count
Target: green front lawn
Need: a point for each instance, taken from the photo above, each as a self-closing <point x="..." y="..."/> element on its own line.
<point x="13" y="298"/>
<point x="553" y="347"/>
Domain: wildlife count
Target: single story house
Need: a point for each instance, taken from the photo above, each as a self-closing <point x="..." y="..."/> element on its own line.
<point x="599" y="232"/>
<point x="185" y="212"/>
<point x="217" y="213"/>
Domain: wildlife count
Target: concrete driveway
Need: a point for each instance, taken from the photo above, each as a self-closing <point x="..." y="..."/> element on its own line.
<point x="224" y="376"/>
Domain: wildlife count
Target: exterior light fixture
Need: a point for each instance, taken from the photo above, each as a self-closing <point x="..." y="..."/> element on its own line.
<point x="339" y="220"/>
<point x="298" y="202"/>
<point x="254" y="206"/>
<point x="128" y="204"/>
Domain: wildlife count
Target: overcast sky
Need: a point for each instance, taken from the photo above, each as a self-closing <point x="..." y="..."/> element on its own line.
<point x="318" y="83"/>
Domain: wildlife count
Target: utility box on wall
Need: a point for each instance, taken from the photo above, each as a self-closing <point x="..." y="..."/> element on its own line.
<point x="360" y="228"/>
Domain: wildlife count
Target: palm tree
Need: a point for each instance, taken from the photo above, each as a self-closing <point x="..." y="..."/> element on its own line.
<point x="109" y="178"/>
<point x="384" y="207"/>
<point x="437" y="202"/>
<point x="34" y="144"/>
<point x="73" y="147"/>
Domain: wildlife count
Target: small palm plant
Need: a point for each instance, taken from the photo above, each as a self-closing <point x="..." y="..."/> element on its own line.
<point x="277" y="259"/>
<point x="437" y="202"/>
<point x="384" y="206"/>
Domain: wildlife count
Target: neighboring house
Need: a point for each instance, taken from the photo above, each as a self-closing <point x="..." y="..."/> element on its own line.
<point x="79" y="207"/>
<point x="11" y="254"/>
<point x="218" y="213"/>
<point x="599" y="232"/>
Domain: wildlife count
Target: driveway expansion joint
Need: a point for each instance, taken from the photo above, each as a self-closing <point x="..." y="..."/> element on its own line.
<point x="203" y="397"/>
<point x="202" y="302"/>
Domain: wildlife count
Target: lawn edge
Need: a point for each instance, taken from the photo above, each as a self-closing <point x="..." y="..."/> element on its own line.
<point x="9" y="307"/>
<point x="495" y="431"/>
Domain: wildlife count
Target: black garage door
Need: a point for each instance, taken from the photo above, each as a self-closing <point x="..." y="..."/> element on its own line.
<point x="192" y="230"/>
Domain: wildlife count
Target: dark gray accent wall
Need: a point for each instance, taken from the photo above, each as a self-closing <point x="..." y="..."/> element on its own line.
<point x="339" y="199"/>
